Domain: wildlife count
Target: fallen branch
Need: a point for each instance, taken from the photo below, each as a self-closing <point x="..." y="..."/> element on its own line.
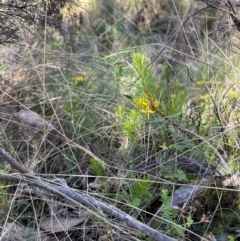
<point x="70" y="194"/>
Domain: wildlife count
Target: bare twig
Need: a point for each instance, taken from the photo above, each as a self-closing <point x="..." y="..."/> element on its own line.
<point x="12" y="162"/>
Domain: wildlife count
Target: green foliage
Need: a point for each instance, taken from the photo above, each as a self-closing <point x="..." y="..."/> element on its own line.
<point x="4" y="197"/>
<point x="170" y="173"/>
<point x="146" y="79"/>
<point x="190" y="221"/>
<point x="138" y="193"/>
<point x="146" y="84"/>
<point x="131" y="123"/>
<point x="231" y="238"/>
<point x="97" y="168"/>
<point x="175" y="104"/>
<point x="170" y="214"/>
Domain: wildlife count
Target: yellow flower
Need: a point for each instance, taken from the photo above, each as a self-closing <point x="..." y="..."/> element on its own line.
<point x="142" y="102"/>
<point x="78" y="80"/>
<point x="200" y="82"/>
<point x="148" y="110"/>
<point x="233" y="95"/>
<point x="204" y="97"/>
<point x="146" y="105"/>
<point x="155" y="104"/>
<point x="164" y="146"/>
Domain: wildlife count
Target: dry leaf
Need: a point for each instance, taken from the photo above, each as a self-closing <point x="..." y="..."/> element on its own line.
<point x="58" y="224"/>
<point x="184" y="194"/>
<point x="233" y="181"/>
<point x="15" y="232"/>
<point x="97" y="183"/>
<point x="33" y="120"/>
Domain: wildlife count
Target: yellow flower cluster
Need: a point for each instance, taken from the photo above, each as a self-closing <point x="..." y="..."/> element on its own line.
<point x="200" y="82"/>
<point x="147" y="105"/>
<point x="78" y="80"/>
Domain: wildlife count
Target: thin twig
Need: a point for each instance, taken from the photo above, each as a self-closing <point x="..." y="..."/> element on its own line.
<point x="174" y="33"/>
<point x="12" y="162"/>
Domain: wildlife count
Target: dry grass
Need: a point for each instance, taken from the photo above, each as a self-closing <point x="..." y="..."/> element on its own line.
<point x="68" y="111"/>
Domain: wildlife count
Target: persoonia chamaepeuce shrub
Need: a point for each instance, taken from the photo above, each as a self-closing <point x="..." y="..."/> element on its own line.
<point x="151" y="101"/>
